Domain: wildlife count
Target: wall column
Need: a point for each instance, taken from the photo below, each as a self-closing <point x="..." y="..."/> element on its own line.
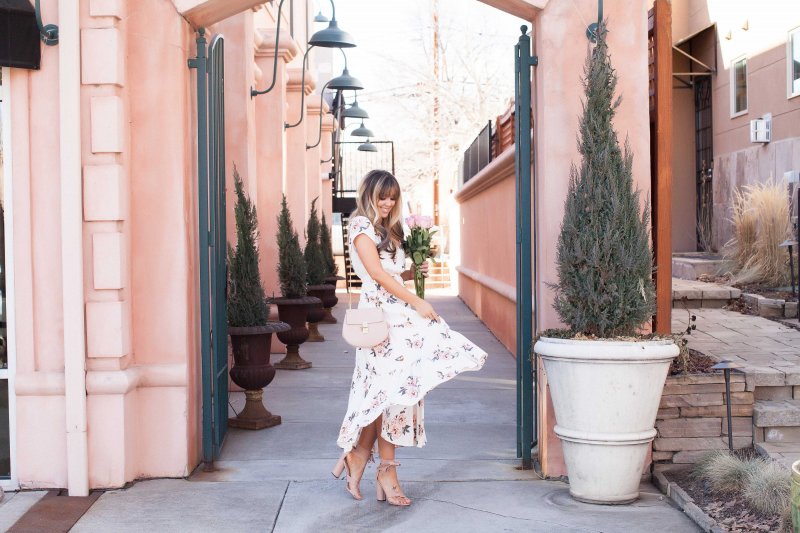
<point x="295" y="181"/>
<point x="560" y="36"/>
<point x="240" y="149"/>
<point x="313" y="165"/>
<point x="326" y="201"/>
<point x="107" y="240"/>
<point x="270" y="110"/>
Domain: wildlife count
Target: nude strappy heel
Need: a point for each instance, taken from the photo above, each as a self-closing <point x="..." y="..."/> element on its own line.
<point x="395" y="497"/>
<point x="351" y="483"/>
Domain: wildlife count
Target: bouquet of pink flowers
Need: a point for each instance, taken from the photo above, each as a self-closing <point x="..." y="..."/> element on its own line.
<point x="418" y="247"/>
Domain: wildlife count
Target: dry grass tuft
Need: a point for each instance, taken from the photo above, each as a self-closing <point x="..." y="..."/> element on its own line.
<point x="769" y="488"/>
<point x="725" y="472"/>
<point x="742" y="246"/>
<point x="761" y="223"/>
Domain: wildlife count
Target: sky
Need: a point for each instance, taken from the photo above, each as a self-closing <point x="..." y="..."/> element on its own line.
<point x="394" y="61"/>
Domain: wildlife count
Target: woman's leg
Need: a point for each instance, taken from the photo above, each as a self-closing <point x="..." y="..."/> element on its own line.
<point x="387" y="473"/>
<point x="368" y="435"/>
<point x="359" y="456"/>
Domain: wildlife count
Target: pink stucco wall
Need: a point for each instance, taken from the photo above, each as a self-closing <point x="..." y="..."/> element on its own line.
<point x="41" y="435"/>
<point x="488" y="247"/>
<point x="163" y="250"/>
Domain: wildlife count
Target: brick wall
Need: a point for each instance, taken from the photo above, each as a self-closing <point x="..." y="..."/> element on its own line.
<point x="692" y="417"/>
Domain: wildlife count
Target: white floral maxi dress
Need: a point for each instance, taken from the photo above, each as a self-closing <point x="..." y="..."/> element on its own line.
<point x="392" y="378"/>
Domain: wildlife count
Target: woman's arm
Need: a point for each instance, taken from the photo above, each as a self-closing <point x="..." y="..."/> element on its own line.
<point x="368" y="253"/>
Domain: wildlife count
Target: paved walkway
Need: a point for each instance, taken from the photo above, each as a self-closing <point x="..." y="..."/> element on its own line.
<point x="768" y="351"/>
<point x="769" y="354"/>
<point x="464" y="480"/>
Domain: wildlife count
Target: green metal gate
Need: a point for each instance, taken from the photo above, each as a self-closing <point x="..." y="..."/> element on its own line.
<point x="212" y="242"/>
<point x="526" y="387"/>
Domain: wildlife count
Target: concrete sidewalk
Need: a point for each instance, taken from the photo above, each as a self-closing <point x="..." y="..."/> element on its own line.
<point x="464" y="480"/>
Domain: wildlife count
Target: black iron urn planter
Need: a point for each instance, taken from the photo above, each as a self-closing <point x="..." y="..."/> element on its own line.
<point x="294" y="311"/>
<point x="329" y="299"/>
<point x="252" y="372"/>
<point x="316" y="313"/>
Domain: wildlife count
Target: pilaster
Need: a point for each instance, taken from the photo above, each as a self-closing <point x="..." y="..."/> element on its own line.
<point x="106" y="212"/>
<point x="271" y="164"/>
<point x="295" y="181"/>
<point x="313" y="165"/>
<point x="328" y="125"/>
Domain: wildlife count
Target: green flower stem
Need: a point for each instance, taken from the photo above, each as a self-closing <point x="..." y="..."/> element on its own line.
<point x="419" y="281"/>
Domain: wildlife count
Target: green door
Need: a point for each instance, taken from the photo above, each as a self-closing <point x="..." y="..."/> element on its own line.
<point x="212" y="242"/>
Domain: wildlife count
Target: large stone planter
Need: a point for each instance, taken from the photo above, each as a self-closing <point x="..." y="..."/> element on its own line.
<point x="294" y="312"/>
<point x="316" y="312"/>
<point x="605" y="395"/>
<point x="252" y="371"/>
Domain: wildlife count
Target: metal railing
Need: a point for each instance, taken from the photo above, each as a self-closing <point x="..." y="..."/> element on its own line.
<point x="479" y="153"/>
<point x="352" y="165"/>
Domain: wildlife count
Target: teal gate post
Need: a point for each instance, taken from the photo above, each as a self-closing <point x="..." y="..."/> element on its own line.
<point x="212" y="242"/>
<point x="526" y="391"/>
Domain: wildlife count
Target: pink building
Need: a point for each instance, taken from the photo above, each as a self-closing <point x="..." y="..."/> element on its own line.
<point x="100" y="170"/>
<point x="732" y="67"/>
<point x="103" y="306"/>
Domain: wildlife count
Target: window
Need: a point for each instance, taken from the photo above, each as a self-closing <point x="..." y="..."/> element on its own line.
<point x="793" y="62"/>
<point x="739" y="86"/>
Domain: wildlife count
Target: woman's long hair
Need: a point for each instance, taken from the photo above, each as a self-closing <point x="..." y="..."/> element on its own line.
<point x="375" y="186"/>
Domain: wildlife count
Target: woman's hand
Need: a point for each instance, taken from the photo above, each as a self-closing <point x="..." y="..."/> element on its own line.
<point x="426" y="310"/>
<point x="408" y="275"/>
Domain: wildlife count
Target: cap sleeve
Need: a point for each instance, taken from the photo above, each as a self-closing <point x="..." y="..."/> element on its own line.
<point x="359" y="225"/>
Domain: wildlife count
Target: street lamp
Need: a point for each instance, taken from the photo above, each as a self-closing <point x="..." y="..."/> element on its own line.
<point x="362" y="131"/>
<point x="330" y="37"/>
<point x="367" y="147"/>
<point x="355" y="111"/>
<point x="343" y="82"/>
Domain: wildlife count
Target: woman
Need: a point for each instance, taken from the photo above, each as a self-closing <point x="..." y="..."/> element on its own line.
<point x="391" y="379"/>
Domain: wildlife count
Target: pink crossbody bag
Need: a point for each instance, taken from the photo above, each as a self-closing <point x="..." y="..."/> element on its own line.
<point x="363" y="328"/>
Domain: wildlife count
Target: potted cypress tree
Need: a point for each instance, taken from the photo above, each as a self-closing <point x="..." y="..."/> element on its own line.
<point x="329" y="299"/>
<point x="605" y="378"/>
<point x="248" y="312"/>
<point x="315" y="274"/>
<point x="294" y="303"/>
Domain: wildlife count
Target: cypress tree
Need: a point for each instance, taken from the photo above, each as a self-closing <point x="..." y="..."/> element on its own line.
<point x="331" y="268"/>
<point x="291" y="265"/>
<point x="605" y="286"/>
<point x="313" y="255"/>
<point x="247" y="303"/>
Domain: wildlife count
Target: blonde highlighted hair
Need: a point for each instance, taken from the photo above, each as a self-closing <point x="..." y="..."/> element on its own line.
<point x="375" y="186"/>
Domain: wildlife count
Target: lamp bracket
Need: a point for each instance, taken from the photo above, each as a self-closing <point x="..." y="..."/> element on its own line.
<point x="49" y="32"/>
<point x="591" y="31"/>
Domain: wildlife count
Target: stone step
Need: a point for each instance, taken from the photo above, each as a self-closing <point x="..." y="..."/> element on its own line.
<point x="699" y="294"/>
<point x="776" y="413"/>
<point x="693" y="265"/>
<point x="784" y="452"/>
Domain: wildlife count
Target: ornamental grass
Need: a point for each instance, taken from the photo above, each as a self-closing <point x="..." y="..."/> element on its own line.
<point x="764" y="484"/>
<point x="761" y="224"/>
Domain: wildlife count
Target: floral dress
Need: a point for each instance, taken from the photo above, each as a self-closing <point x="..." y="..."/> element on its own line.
<point x="392" y="378"/>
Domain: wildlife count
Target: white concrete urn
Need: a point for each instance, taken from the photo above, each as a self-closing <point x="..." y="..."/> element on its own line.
<point x="606" y="396"/>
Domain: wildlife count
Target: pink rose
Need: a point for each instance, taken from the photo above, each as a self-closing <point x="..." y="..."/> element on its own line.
<point x="424" y="222"/>
<point x="411" y="221"/>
